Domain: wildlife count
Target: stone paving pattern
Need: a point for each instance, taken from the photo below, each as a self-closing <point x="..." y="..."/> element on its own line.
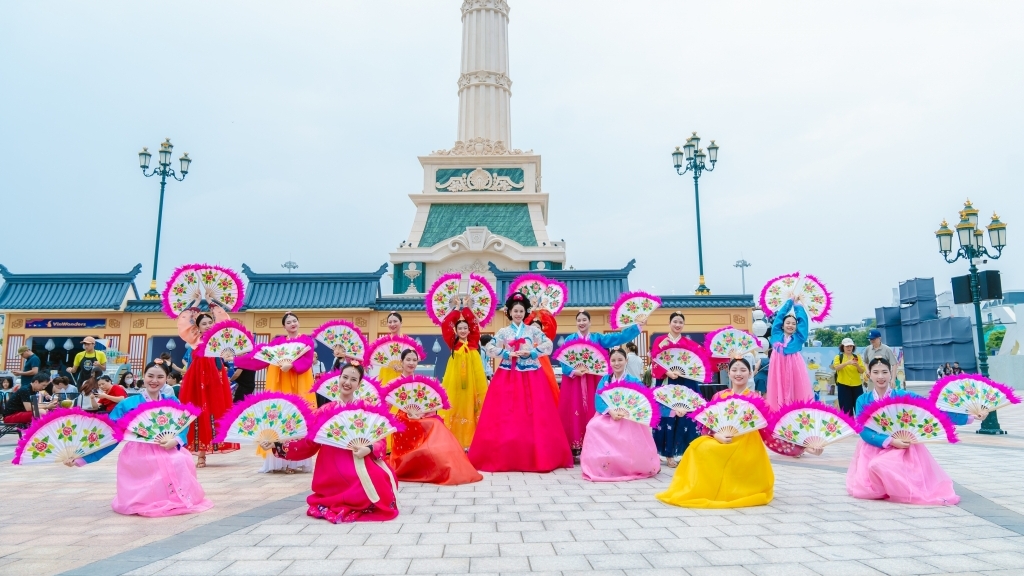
<point x="56" y="520"/>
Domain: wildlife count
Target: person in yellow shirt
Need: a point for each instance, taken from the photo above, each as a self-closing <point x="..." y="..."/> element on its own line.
<point x="848" y="367"/>
<point x="90" y="358"/>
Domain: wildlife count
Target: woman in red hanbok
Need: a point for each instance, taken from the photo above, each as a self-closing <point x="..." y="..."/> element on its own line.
<point x="340" y="494"/>
<point x="427" y="451"/>
<point x="205" y="384"/>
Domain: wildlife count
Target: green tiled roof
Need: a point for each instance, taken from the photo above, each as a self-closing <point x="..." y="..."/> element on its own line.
<point x="586" y="287"/>
<point x="716" y="301"/>
<point x="66" y="291"/>
<point x="312" y="291"/>
<point x="445" y="221"/>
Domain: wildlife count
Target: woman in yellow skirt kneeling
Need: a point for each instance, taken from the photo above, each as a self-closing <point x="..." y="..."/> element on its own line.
<point x="722" y="471"/>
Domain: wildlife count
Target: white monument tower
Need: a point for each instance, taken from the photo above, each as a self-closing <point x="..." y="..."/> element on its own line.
<point x="481" y="200"/>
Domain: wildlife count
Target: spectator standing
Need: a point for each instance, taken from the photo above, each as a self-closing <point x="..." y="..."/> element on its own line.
<point x="488" y="367"/>
<point x="761" y="376"/>
<point x="110" y="394"/>
<point x="875" y="349"/>
<point x="848" y="368"/>
<point x="29" y="368"/>
<point x="89" y="359"/>
<point x="19" y="405"/>
<point x="634" y="364"/>
<point x="957" y="370"/>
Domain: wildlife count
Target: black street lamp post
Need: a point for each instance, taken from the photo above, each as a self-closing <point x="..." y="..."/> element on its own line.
<point x="972" y="247"/>
<point x="163" y="171"/>
<point x="691" y="159"/>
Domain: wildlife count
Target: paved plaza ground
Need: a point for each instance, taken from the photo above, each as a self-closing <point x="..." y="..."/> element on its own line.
<point x="56" y="520"/>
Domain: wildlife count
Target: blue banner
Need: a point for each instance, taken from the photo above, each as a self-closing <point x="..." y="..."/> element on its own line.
<point x="65" y="323"/>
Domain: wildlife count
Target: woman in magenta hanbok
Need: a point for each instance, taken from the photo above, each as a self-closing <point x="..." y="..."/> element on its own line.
<point x="884" y="467"/>
<point x="518" y="428"/>
<point x="617" y="449"/>
<point x="340" y="493"/>
<point x="154" y="480"/>
<point x="575" y="402"/>
<point x="788" y="381"/>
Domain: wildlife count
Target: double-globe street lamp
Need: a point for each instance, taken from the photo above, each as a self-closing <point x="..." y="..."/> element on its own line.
<point x="972" y="247"/>
<point x="163" y="171"/>
<point x="691" y="159"/>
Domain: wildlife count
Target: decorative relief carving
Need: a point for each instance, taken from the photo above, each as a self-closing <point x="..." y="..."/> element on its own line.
<point x="360" y="321"/>
<point x="475" y="266"/>
<point x="140" y="323"/>
<point x="480" y="146"/>
<point x="479" y="179"/>
<point x="476" y="239"/>
<point x="262" y="322"/>
<point x="739" y="319"/>
<point x="114" y="323"/>
<point x="19" y="323"/>
<point x="485" y="78"/>
<point x="498" y="5"/>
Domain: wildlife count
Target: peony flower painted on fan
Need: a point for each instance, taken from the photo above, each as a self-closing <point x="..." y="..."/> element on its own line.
<point x="93" y="437"/>
<point x="357" y="423"/>
<point x="804" y="420"/>
<point x="831" y="427"/>
<point x="40" y="447"/>
<point x="402" y="397"/>
<point x="951" y="398"/>
<point x="273" y="413"/>
<point x="883" y="422"/>
<point x="141" y="431"/>
<point x="290" y="425"/>
<point x="994" y="397"/>
<point x="907" y="418"/>
<point x="970" y="391"/>
<point x="335" y="431"/>
<point x="248" y="423"/>
<point x="929" y="428"/>
<point x="710" y="420"/>
<point x="66" y="431"/>
<point x="209" y="276"/>
<point x="749" y="418"/>
<point x="178" y="290"/>
<point x="788" y="433"/>
<point x="731" y="409"/>
<point x="162" y="419"/>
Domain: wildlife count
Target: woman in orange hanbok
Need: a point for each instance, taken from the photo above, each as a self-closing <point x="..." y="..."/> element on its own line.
<point x="205" y="384"/>
<point x="464" y="380"/>
<point x="544" y="320"/>
<point x="427" y="451"/>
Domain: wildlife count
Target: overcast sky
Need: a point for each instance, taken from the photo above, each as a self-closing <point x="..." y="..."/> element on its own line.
<point x="848" y="131"/>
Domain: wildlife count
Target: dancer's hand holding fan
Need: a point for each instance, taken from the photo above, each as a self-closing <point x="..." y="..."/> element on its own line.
<point x="265" y="418"/>
<point x="159" y="422"/>
<point x="812" y="425"/>
<point x="632" y="308"/>
<point x="193" y="283"/>
<point x="63" y="436"/>
<point x="583" y="356"/>
<point x="971" y="394"/>
<point x="686" y="359"/>
<point x="344" y="337"/>
<point x="226" y="340"/>
<point x="282" y="354"/>
<point x="732" y="416"/>
<point x="804" y="289"/>
<point x="541" y="291"/>
<point x="907" y="420"/>
<point x="328" y="385"/>
<point x="453" y="290"/>
<point x="356" y="426"/>
<point x="631" y="401"/>
<point x="416" y="395"/>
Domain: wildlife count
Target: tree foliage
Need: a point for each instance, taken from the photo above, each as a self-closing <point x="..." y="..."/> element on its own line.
<point x="833" y="338"/>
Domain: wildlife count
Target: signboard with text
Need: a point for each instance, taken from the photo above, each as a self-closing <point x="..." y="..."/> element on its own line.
<point x="65" y="323"/>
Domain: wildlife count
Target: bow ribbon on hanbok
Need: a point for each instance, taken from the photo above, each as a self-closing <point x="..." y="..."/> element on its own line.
<point x="514" y="346"/>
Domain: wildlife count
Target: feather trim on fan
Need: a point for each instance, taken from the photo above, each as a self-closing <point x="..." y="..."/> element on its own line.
<point x="826" y="308"/>
<point x="763" y="301"/>
<point x="199" y="290"/>
<point x="695" y="349"/>
<point x="613" y="316"/>
<point x="57" y="414"/>
<point x="490" y="294"/>
<point x="225" y="421"/>
<point x="165" y="296"/>
<point x="414" y="380"/>
<point x="329" y="411"/>
<point x="372" y="364"/>
<point x="652" y="415"/>
<point x="237" y="304"/>
<point x="754" y="401"/>
<point x="430" y="294"/>
<point x="205" y="338"/>
<point x="784" y="411"/>
<point x="149" y="435"/>
<point x="710" y="338"/>
<point x="589" y="354"/>
<point x="922" y="403"/>
<point x="516" y="285"/>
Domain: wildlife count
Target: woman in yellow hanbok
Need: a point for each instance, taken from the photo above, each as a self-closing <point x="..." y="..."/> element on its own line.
<point x="290" y="378"/>
<point x="464" y="379"/>
<point x="722" y="471"/>
<point x="394" y="370"/>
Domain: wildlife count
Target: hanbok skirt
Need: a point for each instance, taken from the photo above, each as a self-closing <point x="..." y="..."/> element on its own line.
<point x="576" y="406"/>
<point x="208" y="389"/>
<point x="618" y="451"/>
<point x="910" y="476"/>
<point x="788" y="381"/>
<point x="716" y="475"/>
<point x="343" y="493"/>
<point x="156" y="482"/>
<point x="519" y="426"/>
<point x="549" y="373"/>
<point x="466" y="386"/>
<point x="426" y="451"/>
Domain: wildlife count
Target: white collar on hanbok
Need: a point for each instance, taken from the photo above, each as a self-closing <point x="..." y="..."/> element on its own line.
<point x="874" y="393"/>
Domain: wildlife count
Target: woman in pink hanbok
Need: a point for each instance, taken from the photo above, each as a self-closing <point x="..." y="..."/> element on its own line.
<point x="518" y="428"/>
<point x="341" y="492"/>
<point x="616" y="449"/>
<point x="888" y="468"/>
<point x="154" y="480"/>
<point x="788" y="380"/>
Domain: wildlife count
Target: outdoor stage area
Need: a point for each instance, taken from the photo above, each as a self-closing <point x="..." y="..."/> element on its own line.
<point x="56" y="520"/>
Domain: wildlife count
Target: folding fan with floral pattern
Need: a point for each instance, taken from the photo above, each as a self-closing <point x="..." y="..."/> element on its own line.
<point x="817" y="300"/>
<point x="635" y="400"/>
<point x="151" y="422"/>
<point x="448" y="286"/>
<point x="277" y="354"/>
<point x="582" y="355"/>
<point x="328" y="385"/>
<point x="344" y="334"/>
<point x="65" y="435"/>
<point x="730" y="342"/>
<point x="971" y="394"/>
<point x="632" y="307"/>
<point x="909" y="418"/>
<point x="227" y="337"/>
<point x="541" y="291"/>
<point x="733" y="415"/>
<point x="192" y="283"/>
<point x="416" y="394"/>
<point x="266" y="417"/>
<point x="692" y="364"/>
<point x="811" y="424"/>
<point x="679" y="398"/>
<point x="353" y="426"/>
<point x="387" y="351"/>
